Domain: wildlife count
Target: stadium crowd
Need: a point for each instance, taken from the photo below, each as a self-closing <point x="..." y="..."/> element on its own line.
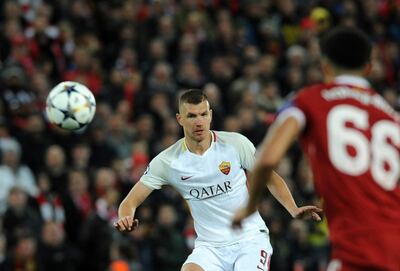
<point x="60" y="190"/>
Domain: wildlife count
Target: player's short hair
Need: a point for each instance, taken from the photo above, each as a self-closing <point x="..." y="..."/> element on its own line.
<point x="192" y="96"/>
<point x="346" y="47"/>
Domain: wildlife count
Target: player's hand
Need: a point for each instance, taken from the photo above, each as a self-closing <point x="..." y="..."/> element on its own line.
<point x="126" y="224"/>
<point x="307" y="212"/>
<point x="240" y="215"/>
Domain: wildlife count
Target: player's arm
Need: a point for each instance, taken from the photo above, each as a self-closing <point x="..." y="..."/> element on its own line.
<point x="275" y="145"/>
<point x="153" y="178"/>
<point x="278" y="188"/>
<point x="127" y="208"/>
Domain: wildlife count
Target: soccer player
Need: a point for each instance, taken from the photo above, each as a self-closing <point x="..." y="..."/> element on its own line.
<point x="351" y="138"/>
<point x="208" y="169"/>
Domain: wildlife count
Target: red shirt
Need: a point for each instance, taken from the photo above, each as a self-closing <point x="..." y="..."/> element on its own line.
<point x="351" y="138"/>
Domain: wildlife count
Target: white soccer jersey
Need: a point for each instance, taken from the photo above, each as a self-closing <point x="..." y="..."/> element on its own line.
<point x="214" y="185"/>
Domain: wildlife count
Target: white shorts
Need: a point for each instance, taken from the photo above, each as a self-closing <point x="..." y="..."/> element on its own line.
<point x="251" y="254"/>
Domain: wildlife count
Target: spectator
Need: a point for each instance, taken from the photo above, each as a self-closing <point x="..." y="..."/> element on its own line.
<point x="34" y="142"/>
<point x="160" y="79"/>
<point x="77" y="203"/>
<point x="269" y="98"/>
<point x="104" y="180"/>
<point x="18" y="100"/>
<point x="140" y="239"/>
<point x="169" y="245"/>
<point x="49" y="203"/>
<point x="97" y="227"/>
<point x="189" y="75"/>
<point x="214" y="96"/>
<point x="56" y="168"/>
<point x="102" y="151"/>
<point x="54" y="251"/>
<point x="13" y="173"/>
<point x="20" y="218"/>
<point x="84" y="70"/>
<point x="80" y="156"/>
<point x="24" y="256"/>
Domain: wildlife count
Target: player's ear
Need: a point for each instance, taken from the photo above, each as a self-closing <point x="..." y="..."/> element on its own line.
<point x="179" y="118"/>
<point x="326" y="70"/>
<point x="367" y="69"/>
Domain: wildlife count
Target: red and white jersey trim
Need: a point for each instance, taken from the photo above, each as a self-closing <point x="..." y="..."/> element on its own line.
<point x="294" y="112"/>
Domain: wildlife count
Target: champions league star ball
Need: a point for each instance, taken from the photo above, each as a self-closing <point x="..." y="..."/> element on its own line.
<point x="70" y="105"/>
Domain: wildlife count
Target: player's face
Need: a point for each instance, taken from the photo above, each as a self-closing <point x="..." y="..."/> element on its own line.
<point x="195" y="120"/>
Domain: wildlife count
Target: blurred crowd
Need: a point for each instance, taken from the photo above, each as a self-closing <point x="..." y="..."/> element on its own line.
<point x="60" y="190"/>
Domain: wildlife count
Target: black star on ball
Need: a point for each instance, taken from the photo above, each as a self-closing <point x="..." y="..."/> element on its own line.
<point x="69" y="89"/>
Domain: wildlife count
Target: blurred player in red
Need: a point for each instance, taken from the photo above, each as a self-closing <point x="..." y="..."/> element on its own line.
<point x="351" y="138"/>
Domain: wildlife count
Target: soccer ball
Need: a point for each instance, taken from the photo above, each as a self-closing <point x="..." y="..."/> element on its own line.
<point x="70" y="105"/>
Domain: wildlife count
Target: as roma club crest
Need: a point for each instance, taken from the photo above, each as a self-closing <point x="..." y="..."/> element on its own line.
<point x="225" y="167"/>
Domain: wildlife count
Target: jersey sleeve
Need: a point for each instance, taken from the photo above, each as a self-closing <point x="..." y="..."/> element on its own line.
<point x="246" y="151"/>
<point x="155" y="175"/>
<point x="300" y="106"/>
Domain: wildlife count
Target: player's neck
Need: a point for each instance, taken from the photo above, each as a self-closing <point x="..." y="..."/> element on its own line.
<point x="349" y="72"/>
<point x="199" y="147"/>
<point x="338" y="71"/>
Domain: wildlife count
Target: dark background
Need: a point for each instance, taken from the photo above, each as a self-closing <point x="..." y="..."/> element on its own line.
<point x="59" y="191"/>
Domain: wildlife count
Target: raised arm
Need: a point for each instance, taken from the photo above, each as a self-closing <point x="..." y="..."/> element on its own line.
<point x="127" y="208"/>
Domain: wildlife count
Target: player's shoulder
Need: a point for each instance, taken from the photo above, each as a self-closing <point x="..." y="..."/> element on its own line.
<point x="308" y="97"/>
<point x="171" y="153"/>
<point x="236" y="140"/>
<point x="229" y="137"/>
<point x="312" y="89"/>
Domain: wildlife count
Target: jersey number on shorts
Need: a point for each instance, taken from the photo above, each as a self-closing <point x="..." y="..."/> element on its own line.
<point x="378" y="155"/>
<point x="264" y="260"/>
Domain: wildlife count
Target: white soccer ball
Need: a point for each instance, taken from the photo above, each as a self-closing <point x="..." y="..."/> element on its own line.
<point x="70" y="105"/>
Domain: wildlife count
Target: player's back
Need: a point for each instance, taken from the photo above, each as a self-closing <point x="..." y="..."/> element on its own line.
<point x="352" y="140"/>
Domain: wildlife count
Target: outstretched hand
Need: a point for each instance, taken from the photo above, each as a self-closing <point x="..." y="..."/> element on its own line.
<point x="307" y="212"/>
<point x="304" y="212"/>
<point x="126" y="224"/>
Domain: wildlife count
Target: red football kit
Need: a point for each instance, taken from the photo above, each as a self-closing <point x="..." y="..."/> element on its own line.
<point x="351" y="138"/>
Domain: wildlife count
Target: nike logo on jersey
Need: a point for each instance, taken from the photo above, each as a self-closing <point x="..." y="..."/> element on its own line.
<point x="184" y="178"/>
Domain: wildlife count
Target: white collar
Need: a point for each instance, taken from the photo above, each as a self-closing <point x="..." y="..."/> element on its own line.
<point x="352" y="80"/>
<point x="213" y="139"/>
